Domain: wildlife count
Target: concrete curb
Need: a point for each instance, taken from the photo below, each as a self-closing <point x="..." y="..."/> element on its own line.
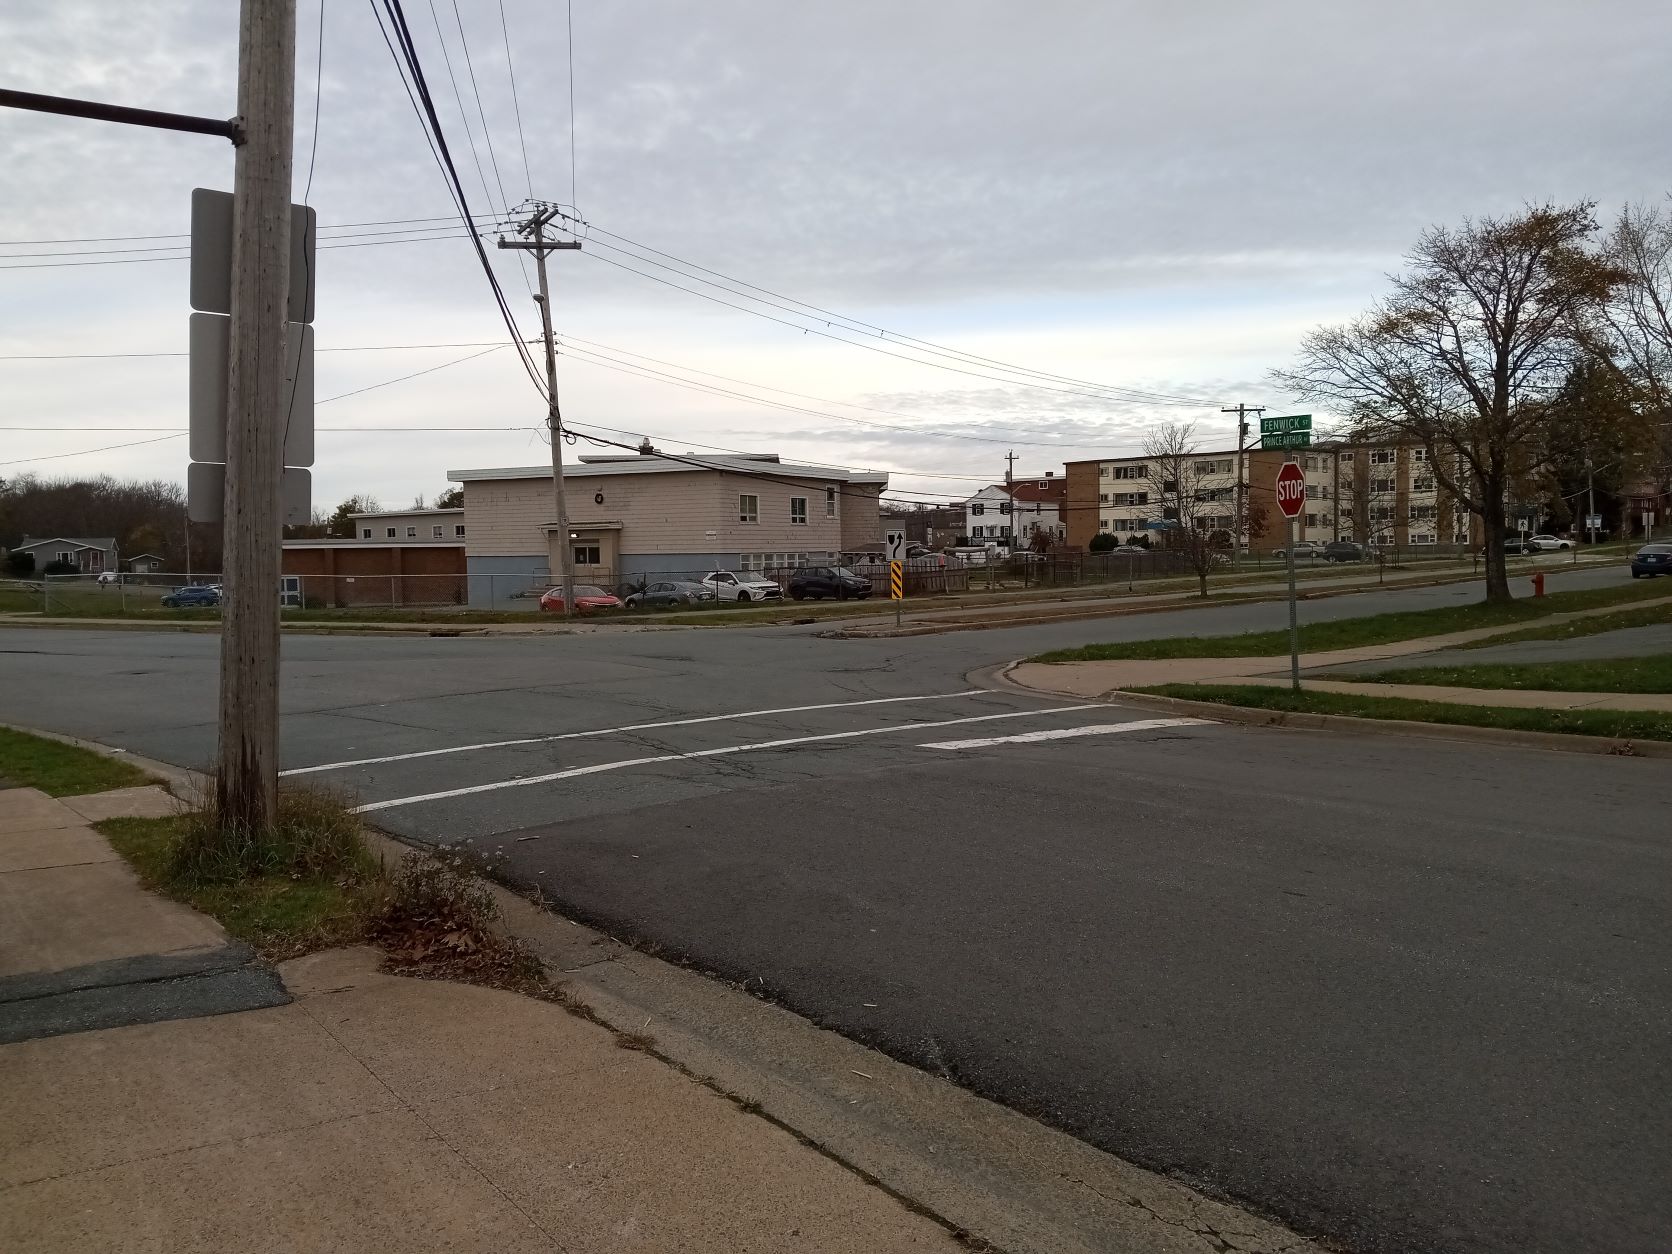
<point x="996" y="1179"/>
<point x="1163" y="604"/>
<point x="1558" y="742"/>
<point x="180" y="782"/>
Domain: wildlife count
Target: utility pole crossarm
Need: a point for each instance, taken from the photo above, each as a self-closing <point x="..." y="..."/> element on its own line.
<point x="539" y="246"/>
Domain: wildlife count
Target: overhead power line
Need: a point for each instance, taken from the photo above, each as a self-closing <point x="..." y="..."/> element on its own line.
<point x="571" y="340"/>
<point x="795" y="307"/>
<point x="404" y="53"/>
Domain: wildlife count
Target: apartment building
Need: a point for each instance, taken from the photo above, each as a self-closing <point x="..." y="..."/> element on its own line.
<point x="1385" y="494"/>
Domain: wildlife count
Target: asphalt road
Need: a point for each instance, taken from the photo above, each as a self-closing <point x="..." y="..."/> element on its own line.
<point x="1414" y="996"/>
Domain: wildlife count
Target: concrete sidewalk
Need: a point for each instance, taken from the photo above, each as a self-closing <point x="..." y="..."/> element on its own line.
<point x="1103" y="679"/>
<point x="380" y="1113"/>
<point x="345" y="1109"/>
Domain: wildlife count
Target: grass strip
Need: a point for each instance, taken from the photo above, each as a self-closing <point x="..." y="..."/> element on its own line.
<point x="62" y="770"/>
<point x="1644" y="616"/>
<point x="1354" y="633"/>
<point x="1615" y="724"/>
<point x="281" y="914"/>
<point x="1627" y="674"/>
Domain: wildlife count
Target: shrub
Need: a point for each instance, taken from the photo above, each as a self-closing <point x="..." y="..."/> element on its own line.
<point x="315" y="833"/>
<point x="58" y="566"/>
<point x="20" y="565"/>
<point x="1103" y="541"/>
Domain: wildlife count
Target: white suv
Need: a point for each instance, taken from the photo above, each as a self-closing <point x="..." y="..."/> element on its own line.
<point x="1548" y="544"/>
<point x="732" y="587"/>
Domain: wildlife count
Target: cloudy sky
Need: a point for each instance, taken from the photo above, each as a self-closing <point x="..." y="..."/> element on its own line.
<point x="1127" y="195"/>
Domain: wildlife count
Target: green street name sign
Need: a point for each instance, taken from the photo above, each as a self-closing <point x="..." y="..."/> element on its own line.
<point x="1287" y="439"/>
<point x="1290" y="422"/>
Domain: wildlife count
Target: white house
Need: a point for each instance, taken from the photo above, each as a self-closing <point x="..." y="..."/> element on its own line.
<point x="987" y="516"/>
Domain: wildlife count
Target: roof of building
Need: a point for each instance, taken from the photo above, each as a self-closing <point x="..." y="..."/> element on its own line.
<point x="408" y="513"/>
<point x="338" y="542"/>
<point x="761" y="464"/>
<point x="81" y="542"/>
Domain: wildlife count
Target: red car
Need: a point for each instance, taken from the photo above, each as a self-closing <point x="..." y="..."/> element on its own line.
<point x="588" y="600"/>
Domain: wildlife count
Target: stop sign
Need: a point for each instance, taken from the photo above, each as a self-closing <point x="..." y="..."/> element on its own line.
<point x="1291" y="489"/>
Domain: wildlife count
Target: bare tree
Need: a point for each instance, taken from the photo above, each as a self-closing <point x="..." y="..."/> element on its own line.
<point x="1465" y="356"/>
<point x="1637" y="327"/>
<point x="1196" y="496"/>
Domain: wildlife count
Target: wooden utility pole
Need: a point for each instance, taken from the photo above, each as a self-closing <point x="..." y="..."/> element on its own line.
<point x="247" y="782"/>
<point x="1240" y="523"/>
<point x="539" y="245"/>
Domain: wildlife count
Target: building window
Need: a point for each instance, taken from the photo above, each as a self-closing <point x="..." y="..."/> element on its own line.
<point x="365" y="533"/>
<point x="798" y="510"/>
<point x="412" y="533"/>
<point x="748" y="509"/>
<point x="1219" y="466"/>
<point x="1422" y="483"/>
<point x="1347" y="456"/>
<point x="1132" y="472"/>
<point x="1381" y="485"/>
<point x="1103" y="525"/>
<point x="1103" y="498"/>
<point x="830" y="502"/>
<point x="391" y="534"/>
<point x="1312" y="492"/>
<point x="1043" y="486"/>
<point x="1421" y="511"/>
<point x="1422" y="539"/>
<point x="1419" y="455"/>
<point x="978" y="509"/>
<point x="1382" y="456"/>
<point x="1312" y="520"/>
<point x="587" y="555"/>
<point x="435" y="532"/>
<point x="458" y="531"/>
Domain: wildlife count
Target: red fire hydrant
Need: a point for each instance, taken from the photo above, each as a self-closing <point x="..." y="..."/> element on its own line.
<point x="1538" y="583"/>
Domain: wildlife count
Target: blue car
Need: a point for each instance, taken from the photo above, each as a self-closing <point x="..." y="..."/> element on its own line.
<point x="192" y="598"/>
<point x="1651" y="559"/>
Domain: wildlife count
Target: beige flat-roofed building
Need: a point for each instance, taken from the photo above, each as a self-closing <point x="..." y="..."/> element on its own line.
<point x="642" y="514"/>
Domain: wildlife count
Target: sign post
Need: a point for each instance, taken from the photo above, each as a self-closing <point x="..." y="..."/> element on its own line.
<point x="895" y="543"/>
<point x="1291" y="499"/>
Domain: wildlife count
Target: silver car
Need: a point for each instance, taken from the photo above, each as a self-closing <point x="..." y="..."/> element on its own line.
<point x="669" y="592"/>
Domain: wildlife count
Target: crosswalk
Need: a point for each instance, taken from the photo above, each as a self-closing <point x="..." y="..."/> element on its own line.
<point x="502" y="784"/>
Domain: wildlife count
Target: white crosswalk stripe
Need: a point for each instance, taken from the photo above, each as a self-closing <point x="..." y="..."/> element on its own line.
<point x="1069" y="733"/>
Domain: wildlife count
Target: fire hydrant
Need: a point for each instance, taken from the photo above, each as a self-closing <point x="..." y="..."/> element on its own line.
<point x="1538" y="583"/>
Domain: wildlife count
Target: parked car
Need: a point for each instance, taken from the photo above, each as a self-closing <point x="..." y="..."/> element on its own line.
<point x="1130" y="550"/>
<point x="1303" y="548"/>
<point x="192" y="598"/>
<point x="819" y="582"/>
<point x="589" y="599"/>
<point x="1651" y="559"/>
<point x="730" y="586"/>
<point x="106" y="578"/>
<point x="669" y="592"/>
<point x="1514" y="545"/>
<point x="1547" y="544"/>
<point x="1345" y="551"/>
